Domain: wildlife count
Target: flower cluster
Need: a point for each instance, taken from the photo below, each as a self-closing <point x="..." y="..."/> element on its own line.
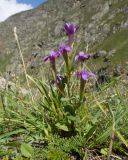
<point x="63" y="50"/>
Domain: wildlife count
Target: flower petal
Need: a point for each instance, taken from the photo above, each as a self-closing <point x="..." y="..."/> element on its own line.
<point x="67" y="48"/>
<point x="76" y="58"/>
<point x="81" y="53"/>
<point x="45" y="58"/>
<point x="84" y="75"/>
<point x="92" y="74"/>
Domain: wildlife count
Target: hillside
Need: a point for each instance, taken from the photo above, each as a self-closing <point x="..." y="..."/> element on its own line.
<point x="103" y="26"/>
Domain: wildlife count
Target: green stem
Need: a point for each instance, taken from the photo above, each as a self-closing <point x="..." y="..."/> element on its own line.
<point x="82" y="86"/>
<point x="65" y="56"/>
<point x="112" y="134"/>
<point x="53" y="66"/>
<point x="68" y="86"/>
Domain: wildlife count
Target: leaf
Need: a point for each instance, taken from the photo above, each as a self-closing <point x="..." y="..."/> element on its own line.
<point x="5" y="158"/>
<point x="9" y="134"/>
<point x="90" y="132"/>
<point x="104" y="151"/>
<point x="27" y="150"/>
<point x="62" y="127"/>
<point x="100" y="106"/>
<point x="65" y="99"/>
<point x="72" y="118"/>
<point x="122" y="138"/>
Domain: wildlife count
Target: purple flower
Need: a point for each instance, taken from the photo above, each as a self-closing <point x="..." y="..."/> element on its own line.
<point x="82" y="57"/>
<point x="52" y="56"/>
<point x="70" y="28"/>
<point x="63" y="48"/>
<point x="59" y="79"/>
<point x="85" y="74"/>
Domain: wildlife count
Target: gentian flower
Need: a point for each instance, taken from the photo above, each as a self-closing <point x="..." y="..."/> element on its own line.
<point x="70" y="30"/>
<point x="52" y="56"/>
<point x="63" y="48"/>
<point x="82" y="57"/>
<point x="84" y="75"/>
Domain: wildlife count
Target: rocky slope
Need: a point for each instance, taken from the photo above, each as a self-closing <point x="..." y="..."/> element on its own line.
<point x="103" y="25"/>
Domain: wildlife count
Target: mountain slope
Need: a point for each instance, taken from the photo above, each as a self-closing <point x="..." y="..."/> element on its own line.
<point x="103" y="25"/>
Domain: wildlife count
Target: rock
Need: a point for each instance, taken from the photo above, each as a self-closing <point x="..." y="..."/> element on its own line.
<point x="103" y="76"/>
<point x="106" y="59"/>
<point x="106" y="28"/>
<point x="117" y="71"/>
<point x="102" y="53"/>
<point x="58" y="28"/>
<point x="104" y="10"/>
<point x="95" y="55"/>
<point x="40" y="29"/>
<point x="4" y="84"/>
<point x="23" y="91"/>
<point x="8" y="85"/>
<point x="110" y="53"/>
<point x="124" y="25"/>
<point x="99" y="54"/>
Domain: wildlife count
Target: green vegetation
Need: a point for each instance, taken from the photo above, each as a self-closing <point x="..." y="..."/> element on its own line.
<point x="41" y="130"/>
<point x="117" y="42"/>
<point x="64" y="117"/>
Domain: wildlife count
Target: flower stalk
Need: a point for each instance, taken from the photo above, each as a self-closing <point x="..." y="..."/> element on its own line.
<point x="82" y="88"/>
<point x="22" y="58"/>
<point x="84" y="75"/>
